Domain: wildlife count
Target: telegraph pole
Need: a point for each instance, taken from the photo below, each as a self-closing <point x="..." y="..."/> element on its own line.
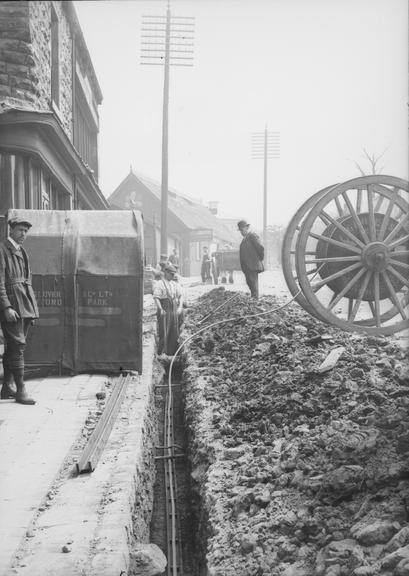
<point x="166" y="41"/>
<point x="265" y="145"/>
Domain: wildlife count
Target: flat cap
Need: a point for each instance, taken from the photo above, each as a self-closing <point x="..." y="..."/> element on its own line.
<point x="19" y="220"/>
<point x="242" y="224"/>
<point x="169" y="267"/>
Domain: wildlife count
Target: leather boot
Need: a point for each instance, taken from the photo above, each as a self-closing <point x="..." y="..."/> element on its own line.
<point x="21" y="396"/>
<point x="8" y="389"/>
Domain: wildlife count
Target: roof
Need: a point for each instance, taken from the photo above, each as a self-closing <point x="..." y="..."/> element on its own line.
<point x="191" y="212"/>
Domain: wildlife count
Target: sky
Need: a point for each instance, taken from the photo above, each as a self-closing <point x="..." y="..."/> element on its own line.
<point x="331" y="76"/>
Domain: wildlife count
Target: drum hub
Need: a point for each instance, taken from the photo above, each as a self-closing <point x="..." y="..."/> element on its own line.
<point x="375" y="256"/>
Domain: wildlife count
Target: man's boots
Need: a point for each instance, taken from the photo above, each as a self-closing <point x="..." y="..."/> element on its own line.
<point x="8" y="389"/>
<point x="21" y="395"/>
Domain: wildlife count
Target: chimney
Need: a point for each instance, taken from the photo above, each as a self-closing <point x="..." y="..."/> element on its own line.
<point x="213" y="207"/>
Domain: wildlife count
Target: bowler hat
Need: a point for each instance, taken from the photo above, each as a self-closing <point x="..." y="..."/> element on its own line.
<point x="242" y="224"/>
<point x="19" y="220"/>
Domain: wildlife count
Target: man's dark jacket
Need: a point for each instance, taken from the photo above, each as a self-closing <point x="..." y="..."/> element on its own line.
<point x="15" y="282"/>
<point x="251" y="253"/>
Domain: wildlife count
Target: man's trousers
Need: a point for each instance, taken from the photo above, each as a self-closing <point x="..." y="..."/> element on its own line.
<point x="252" y="281"/>
<point x="15" y="335"/>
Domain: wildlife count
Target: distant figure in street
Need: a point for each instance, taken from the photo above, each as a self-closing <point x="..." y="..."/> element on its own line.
<point x="158" y="271"/>
<point x="18" y="308"/>
<point x="251" y="256"/>
<point x="206" y="262"/>
<point x="174" y="258"/>
<point x="168" y="298"/>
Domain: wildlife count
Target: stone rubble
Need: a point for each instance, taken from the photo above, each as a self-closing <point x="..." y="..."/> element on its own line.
<point x="299" y="473"/>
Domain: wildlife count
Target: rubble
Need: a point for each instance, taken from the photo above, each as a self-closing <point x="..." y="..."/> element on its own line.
<point x="300" y="473"/>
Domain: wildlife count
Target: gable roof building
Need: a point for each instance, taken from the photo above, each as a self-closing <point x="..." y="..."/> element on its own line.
<point x="191" y="224"/>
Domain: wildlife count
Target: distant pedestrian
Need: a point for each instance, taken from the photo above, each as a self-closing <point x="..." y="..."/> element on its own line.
<point x="206" y="263"/>
<point x="174" y="258"/>
<point x="251" y="256"/>
<point x="18" y="308"/>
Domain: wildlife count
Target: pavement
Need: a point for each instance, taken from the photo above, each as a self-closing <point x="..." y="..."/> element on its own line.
<point x="54" y="522"/>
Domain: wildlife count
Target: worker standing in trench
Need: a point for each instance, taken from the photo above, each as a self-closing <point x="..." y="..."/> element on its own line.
<point x="168" y="298"/>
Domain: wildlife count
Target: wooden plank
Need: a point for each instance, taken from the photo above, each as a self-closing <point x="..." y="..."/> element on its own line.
<point x="99" y="436"/>
<point x="331" y="360"/>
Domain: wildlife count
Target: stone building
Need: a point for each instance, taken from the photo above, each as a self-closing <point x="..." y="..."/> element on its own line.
<point x="49" y="98"/>
<point x="191" y="224"/>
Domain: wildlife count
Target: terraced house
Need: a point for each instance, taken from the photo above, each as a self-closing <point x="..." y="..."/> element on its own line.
<point x="49" y="98"/>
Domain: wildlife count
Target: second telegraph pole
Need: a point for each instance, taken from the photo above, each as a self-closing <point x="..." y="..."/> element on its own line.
<point x="265" y="145"/>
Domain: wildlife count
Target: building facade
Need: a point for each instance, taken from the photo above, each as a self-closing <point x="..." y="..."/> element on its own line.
<point x="191" y="225"/>
<point x="49" y="98"/>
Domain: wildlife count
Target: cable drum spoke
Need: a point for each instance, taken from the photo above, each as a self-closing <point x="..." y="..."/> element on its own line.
<point x="399" y="242"/>
<point x="393" y="296"/>
<point x="335" y="242"/>
<point x="358" y="200"/>
<point x="355" y="217"/>
<point x="345" y="231"/>
<point x="338" y="205"/>
<point x="372" y="225"/>
<point x="347" y="287"/>
<point x="336" y="275"/>
<point x="405" y="281"/>
<point x="377" y="299"/>
<point x="334" y="259"/>
<point x="399" y="263"/>
<point x="388" y="213"/>
<point x="384" y="225"/>
<point x="398" y="227"/>
<point x="358" y="301"/>
<point x="379" y="202"/>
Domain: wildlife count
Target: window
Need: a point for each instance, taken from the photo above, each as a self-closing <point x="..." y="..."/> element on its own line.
<point x="85" y="134"/>
<point x="55" y="58"/>
<point x="24" y="183"/>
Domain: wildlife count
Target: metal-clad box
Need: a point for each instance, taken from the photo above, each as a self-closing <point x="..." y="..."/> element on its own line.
<point x="87" y="269"/>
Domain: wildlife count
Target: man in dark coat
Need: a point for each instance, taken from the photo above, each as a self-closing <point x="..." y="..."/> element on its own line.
<point x="251" y="256"/>
<point x="18" y="308"/>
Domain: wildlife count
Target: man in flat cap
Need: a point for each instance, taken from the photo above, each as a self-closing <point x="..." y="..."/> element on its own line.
<point x="251" y="256"/>
<point x="18" y="308"/>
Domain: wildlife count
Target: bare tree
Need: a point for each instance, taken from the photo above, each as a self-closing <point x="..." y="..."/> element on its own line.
<point x="373" y="161"/>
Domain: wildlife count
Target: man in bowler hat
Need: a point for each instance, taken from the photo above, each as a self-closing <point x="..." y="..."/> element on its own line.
<point x="18" y="308"/>
<point x="251" y="256"/>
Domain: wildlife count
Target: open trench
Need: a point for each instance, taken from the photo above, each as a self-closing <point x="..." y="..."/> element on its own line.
<point x="172" y="459"/>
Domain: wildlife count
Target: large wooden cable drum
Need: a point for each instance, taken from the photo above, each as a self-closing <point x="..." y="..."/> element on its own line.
<point x="347" y="250"/>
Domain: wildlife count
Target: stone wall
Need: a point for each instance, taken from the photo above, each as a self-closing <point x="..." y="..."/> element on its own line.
<point x="25" y="57"/>
<point x="18" y="83"/>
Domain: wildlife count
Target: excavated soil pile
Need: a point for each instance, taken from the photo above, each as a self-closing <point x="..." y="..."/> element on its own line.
<point x="299" y="473"/>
